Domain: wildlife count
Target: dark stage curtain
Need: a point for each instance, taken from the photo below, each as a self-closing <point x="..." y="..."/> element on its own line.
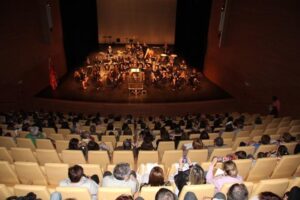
<point x="192" y="21"/>
<point x="80" y="32"/>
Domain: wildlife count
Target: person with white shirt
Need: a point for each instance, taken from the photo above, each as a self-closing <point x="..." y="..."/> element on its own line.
<point x="77" y="179"/>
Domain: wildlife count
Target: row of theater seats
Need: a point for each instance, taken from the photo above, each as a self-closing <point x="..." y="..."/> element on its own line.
<point x="98" y="162"/>
<point x="277" y="186"/>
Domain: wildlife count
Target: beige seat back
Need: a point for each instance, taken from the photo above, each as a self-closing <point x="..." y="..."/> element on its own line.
<point x="293" y="182"/>
<point x="30" y="173"/>
<point x="243" y="133"/>
<point x="23" y="154"/>
<point x="198" y="155"/>
<point x="63" y="131"/>
<point x="41" y="192"/>
<point x="286" y="166"/>
<point x="44" y="144"/>
<point x="61" y="145"/>
<point x="68" y="137"/>
<point x="148" y="193"/>
<point x="55" y="136"/>
<point x="8" y="174"/>
<point x="147" y="157"/>
<point x="49" y="131"/>
<point x="220" y="152"/>
<point x="4" y="192"/>
<point x="47" y="156"/>
<point x="170" y="157"/>
<point x="92" y="169"/>
<point x="243" y="166"/>
<point x="262" y="169"/>
<point x="208" y="142"/>
<point x="277" y="186"/>
<point x="7" y="142"/>
<point x="201" y="191"/>
<point x="123" y="157"/>
<point x="74" y="193"/>
<point x="228" y="135"/>
<point x="5" y="156"/>
<point x="109" y="138"/>
<point x="99" y="157"/>
<point x="164" y="146"/>
<point x="194" y="136"/>
<point x="256" y="132"/>
<point x="105" y="193"/>
<point x="25" y="143"/>
<point x="125" y="137"/>
<point x="56" y="172"/>
<point x="73" y="157"/>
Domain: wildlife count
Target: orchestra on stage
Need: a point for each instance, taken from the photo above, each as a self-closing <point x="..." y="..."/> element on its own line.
<point x="156" y="66"/>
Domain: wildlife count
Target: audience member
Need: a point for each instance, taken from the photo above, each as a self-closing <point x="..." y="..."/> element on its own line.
<point x="165" y="194"/>
<point x="230" y="174"/>
<point x="34" y="134"/>
<point x="237" y="192"/>
<point x="77" y="179"/>
<point x="155" y="178"/>
<point x="121" y="177"/>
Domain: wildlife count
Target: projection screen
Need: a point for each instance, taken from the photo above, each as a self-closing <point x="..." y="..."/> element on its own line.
<point x="150" y="21"/>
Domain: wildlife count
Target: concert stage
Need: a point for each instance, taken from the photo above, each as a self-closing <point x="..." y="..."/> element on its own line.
<point x="154" y="98"/>
<point x="69" y="89"/>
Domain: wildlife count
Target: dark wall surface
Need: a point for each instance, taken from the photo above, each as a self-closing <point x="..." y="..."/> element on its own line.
<point x="259" y="56"/>
<point x="26" y="44"/>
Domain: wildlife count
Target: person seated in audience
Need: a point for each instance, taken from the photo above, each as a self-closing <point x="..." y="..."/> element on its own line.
<point x="217" y="196"/>
<point x="204" y="135"/>
<point x="122" y="177"/>
<point x="77" y="179"/>
<point x="165" y="194"/>
<point x="265" y="139"/>
<point x="155" y="178"/>
<point x="293" y="194"/>
<point x="281" y="151"/>
<point x="126" y="145"/>
<point x="93" y="146"/>
<point x="73" y="144"/>
<point x="218" y="143"/>
<point x="237" y="192"/>
<point x="193" y="176"/>
<point x="287" y="138"/>
<point x="240" y="155"/>
<point x="266" y="196"/>
<point x="34" y="134"/>
<point x="124" y="197"/>
<point x="147" y="144"/>
<point x="164" y="136"/>
<point x="197" y="144"/>
<point x="258" y="120"/>
<point x="190" y="196"/>
<point x="230" y="174"/>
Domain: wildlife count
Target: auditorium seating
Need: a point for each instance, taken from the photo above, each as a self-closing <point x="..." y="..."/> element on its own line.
<point x="201" y="191"/>
<point x="25" y="166"/>
<point x="74" y="192"/>
<point x="112" y="193"/>
<point x="277" y="186"/>
<point x="42" y="192"/>
<point x="148" y="193"/>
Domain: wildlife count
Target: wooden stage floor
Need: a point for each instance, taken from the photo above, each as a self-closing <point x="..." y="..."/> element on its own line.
<point x="71" y="90"/>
